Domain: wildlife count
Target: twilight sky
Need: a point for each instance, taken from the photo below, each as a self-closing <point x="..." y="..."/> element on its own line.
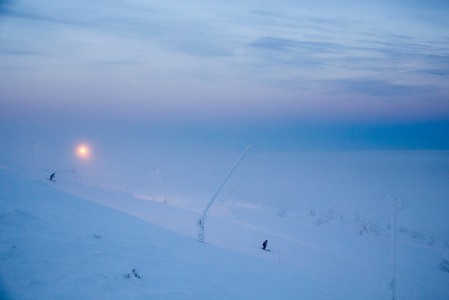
<point x="307" y="74"/>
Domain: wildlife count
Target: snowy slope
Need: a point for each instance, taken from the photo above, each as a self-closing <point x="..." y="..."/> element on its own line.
<point x="56" y="246"/>
<point x="72" y="240"/>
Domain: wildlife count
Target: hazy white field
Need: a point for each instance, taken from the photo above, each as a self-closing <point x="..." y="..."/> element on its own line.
<point x="326" y="217"/>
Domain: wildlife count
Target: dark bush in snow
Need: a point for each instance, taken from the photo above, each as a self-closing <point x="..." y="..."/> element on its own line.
<point x="444" y="265"/>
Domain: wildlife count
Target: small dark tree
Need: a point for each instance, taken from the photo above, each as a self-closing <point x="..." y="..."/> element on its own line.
<point x="444" y="265"/>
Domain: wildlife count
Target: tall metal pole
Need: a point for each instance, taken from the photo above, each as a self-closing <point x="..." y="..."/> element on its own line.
<point x="202" y="219"/>
<point x="394" y="206"/>
<point x="33" y="153"/>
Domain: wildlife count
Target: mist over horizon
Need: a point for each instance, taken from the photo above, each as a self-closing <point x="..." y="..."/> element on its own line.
<point x="176" y="92"/>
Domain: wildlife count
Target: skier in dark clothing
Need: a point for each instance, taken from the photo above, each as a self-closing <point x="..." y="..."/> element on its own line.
<point x="52" y="176"/>
<point x="264" y="245"/>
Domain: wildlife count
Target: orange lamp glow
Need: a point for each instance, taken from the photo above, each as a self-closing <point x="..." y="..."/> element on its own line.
<point x="83" y="151"/>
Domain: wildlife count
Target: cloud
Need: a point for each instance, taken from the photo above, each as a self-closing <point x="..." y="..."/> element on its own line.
<point x="194" y="56"/>
<point x="361" y="62"/>
<point x="15" y="51"/>
<point x="306" y="47"/>
<point x="378" y="88"/>
<point x="160" y="25"/>
<point x="440" y="72"/>
<point x="4" y="5"/>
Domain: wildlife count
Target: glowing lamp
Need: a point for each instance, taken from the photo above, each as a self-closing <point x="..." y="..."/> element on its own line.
<point x="83" y="151"/>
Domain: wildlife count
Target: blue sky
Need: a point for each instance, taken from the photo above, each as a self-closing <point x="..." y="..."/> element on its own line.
<point x="317" y="73"/>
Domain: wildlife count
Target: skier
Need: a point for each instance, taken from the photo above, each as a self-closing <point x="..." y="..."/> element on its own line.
<point x="264" y="245"/>
<point x="52" y="176"/>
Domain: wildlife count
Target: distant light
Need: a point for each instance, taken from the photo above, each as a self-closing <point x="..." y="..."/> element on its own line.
<point x="83" y="151"/>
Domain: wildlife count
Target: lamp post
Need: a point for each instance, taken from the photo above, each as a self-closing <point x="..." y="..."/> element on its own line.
<point x="33" y="153"/>
<point x="394" y="206"/>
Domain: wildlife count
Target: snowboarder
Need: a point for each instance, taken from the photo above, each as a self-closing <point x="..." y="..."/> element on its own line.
<point x="52" y="176"/>
<point x="264" y="245"/>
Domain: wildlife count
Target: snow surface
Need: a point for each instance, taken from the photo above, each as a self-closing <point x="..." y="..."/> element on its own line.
<point x="326" y="218"/>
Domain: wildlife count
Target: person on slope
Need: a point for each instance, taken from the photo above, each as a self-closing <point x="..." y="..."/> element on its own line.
<point x="264" y="245"/>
